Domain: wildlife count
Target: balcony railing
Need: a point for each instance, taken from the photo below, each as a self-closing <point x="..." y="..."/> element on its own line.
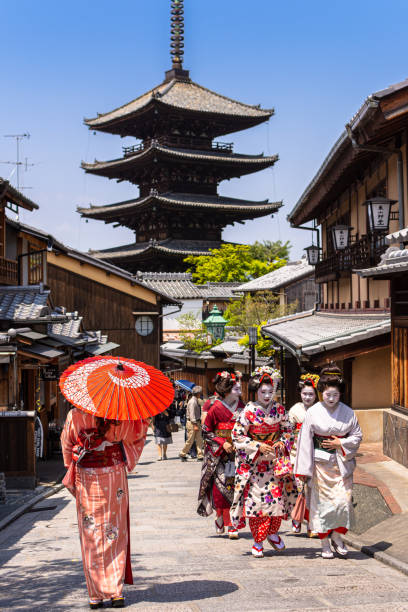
<point x="203" y="144"/>
<point x="363" y="253"/>
<point x="8" y="272"/>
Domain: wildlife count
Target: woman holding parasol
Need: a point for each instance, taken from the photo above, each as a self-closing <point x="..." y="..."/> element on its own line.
<point x="103" y="437"/>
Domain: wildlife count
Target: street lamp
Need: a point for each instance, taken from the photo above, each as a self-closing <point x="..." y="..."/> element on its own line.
<point x="313" y="255"/>
<point x="378" y="210"/>
<point x="341" y="236"/>
<point x="215" y="324"/>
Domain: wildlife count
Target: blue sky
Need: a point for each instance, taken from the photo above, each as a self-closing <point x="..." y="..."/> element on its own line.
<point x="315" y="62"/>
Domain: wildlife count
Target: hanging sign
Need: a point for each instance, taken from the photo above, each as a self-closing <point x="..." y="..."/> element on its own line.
<point x="49" y="372"/>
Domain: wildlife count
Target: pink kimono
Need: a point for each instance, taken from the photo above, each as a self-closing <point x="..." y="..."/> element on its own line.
<point x="102" y="498"/>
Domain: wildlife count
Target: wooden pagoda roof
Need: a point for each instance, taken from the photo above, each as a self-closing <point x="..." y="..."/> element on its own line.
<point x="179" y="95"/>
<point x="182" y="201"/>
<point x="382" y="116"/>
<point x="126" y="168"/>
<point x="169" y="247"/>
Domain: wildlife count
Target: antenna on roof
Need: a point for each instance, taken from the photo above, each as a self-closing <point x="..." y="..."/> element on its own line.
<point x="177" y="31"/>
<point x="17" y="164"/>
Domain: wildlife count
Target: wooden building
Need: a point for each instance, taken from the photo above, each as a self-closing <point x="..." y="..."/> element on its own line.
<point x="394" y="269"/>
<point x="178" y="166"/>
<point x="352" y="322"/>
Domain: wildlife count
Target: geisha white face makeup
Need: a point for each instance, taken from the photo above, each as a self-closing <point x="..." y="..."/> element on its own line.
<point x="331" y="397"/>
<point x="265" y="394"/>
<point x="308" y="396"/>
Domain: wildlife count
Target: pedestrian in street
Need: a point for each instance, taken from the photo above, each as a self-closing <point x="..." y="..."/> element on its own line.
<point x="162" y="433"/>
<point x="328" y="442"/>
<point x="193" y="426"/>
<point x="308" y="395"/>
<point x="265" y="488"/>
<point x="218" y="473"/>
<point x="97" y="453"/>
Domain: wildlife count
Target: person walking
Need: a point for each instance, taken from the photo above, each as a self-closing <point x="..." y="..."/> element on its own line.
<point x="216" y="490"/>
<point x="193" y="426"/>
<point x="162" y="433"/>
<point x="308" y="395"/>
<point x="265" y="489"/>
<point x="97" y="453"/>
<point x="327" y="446"/>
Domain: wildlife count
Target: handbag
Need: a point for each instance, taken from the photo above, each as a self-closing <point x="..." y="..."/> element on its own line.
<point x="229" y="469"/>
<point x="282" y="467"/>
<point x="174" y="427"/>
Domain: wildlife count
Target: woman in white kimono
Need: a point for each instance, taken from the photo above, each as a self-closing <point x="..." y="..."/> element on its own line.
<point x="328" y="442"/>
<point x="308" y="396"/>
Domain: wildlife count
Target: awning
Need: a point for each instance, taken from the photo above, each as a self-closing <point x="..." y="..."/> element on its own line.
<point x="100" y="349"/>
<point x="309" y="333"/>
<point x="41" y="350"/>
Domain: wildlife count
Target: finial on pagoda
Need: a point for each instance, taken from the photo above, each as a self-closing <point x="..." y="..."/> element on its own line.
<point x="177" y="42"/>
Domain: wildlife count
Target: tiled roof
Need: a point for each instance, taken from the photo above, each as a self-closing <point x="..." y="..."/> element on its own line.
<point x="169" y="246"/>
<point x="182" y="200"/>
<point x="394" y="261"/>
<point x="399" y="236"/>
<point x="219" y="290"/>
<point x="192" y="155"/>
<point x="228" y="346"/>
<point x="313" y="332"/>
<point x="20" y="303"/>
<point x="292" y="271"/>
<point x="176" y="284"/>
<point x="244" y="358"/>
<point x="184" y="95"/>
<point x="179" y="285"/>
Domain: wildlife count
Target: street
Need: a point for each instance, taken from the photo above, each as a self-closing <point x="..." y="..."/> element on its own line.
<point x="179" y="563"/>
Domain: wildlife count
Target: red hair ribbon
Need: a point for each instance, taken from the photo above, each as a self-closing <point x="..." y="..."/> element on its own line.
<point x="266" y="375"/>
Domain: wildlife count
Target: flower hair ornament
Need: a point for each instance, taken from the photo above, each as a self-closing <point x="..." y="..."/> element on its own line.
<point x="312" y="378"/>
<point x="266" y="371"/>
<point x="226" y="374"/>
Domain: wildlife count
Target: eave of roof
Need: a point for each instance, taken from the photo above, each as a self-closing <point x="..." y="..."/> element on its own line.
<point x="191" y="97"/>
<point x="156" y="247"/>
<point x="395" y="262"/>
<point x="286" y="275"/>
<point x="192" y="155"/>
<point x="341" y="330"/>
<point x="188" y="201"/>
<point x="366" y="112"/>
<point x="86" y="257"/>
<point x="10" y="193"/>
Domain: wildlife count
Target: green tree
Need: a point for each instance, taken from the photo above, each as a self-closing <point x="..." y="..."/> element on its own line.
<point x="194" y="334"/>
<point x="229" y="263"/>
<point x="270" y="251"/>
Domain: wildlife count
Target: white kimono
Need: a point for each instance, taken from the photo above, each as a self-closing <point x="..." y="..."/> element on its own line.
<point x="296" y="417"/>
<point x="330" y="474"/>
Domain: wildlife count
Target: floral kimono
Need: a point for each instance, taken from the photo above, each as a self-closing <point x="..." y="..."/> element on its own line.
<point x="258" y="492"/>
<point x="96" y="477"/>
<point x="330" y="472"/>
<point x="217" y="485"/>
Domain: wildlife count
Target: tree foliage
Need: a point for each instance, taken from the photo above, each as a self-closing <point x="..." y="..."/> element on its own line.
<point x="194" y="334"/>
<point x="269" y="251"/>
<point x="234" y="262"/>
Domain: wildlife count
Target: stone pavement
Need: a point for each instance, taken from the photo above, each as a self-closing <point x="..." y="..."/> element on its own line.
<point x="179" y="563"/>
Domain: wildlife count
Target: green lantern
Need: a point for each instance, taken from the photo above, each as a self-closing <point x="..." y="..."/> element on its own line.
<point x="215" y="324"/>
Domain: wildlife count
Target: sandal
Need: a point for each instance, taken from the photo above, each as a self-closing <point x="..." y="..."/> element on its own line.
<point x="278" y="544"/>
<point x="118" y="602"/>
<point x="219" y="525"/>
<point x="94" y="605"/>
<point x="257" y="552"/>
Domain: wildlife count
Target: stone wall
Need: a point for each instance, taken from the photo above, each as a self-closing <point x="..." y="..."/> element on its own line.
<point x="395" y="436"/>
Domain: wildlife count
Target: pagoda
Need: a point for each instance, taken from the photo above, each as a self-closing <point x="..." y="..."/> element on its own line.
<point x="177" y="166"/>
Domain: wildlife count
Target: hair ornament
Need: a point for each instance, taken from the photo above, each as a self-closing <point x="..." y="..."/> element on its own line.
<point x="312" y="378"/>
<point x="225" y="374"/>
<point x="263" y="371"/>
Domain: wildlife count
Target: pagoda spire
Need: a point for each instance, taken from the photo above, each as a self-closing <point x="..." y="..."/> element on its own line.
<point x="177" y="31"/>
<point x="177" y="42"/>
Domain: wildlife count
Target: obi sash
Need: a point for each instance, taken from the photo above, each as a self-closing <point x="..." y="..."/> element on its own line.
<point x="224" y="430"/>
<point x="317" y="443"/>
<point x="111" y="455"/>
<point x="265" y="433"/>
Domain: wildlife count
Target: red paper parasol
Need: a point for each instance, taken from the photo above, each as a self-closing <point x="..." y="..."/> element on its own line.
<point x="116" y="388"/>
